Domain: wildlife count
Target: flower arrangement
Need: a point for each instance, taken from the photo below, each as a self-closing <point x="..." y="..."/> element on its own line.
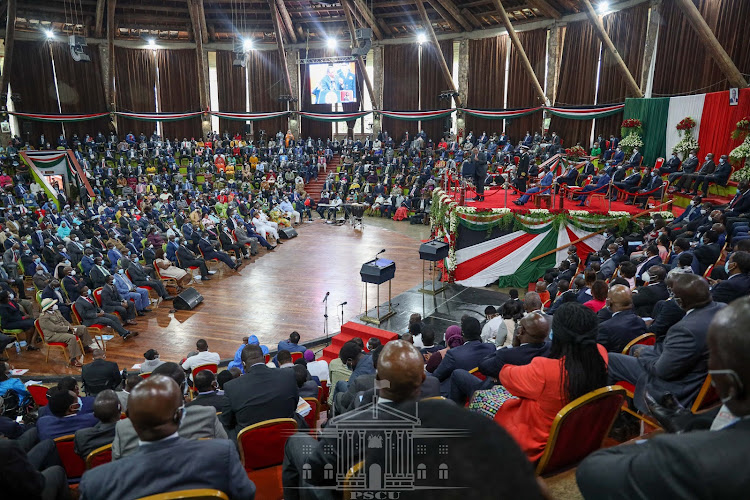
<point x="688" y="143"/>
<point x="631" y="123"/>
<point x="575" y="152"/>
<point x="629" y="143"/>
<point x="687" y="123"/>
<point x="738" y="155"/>
<point x="743" y="129"/>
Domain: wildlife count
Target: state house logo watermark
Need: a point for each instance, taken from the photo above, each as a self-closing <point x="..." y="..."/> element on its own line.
<point x="379" y="452"/>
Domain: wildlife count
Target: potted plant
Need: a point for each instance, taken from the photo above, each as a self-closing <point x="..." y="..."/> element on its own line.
<point x="738" y="155"/>
<point x="687" y="142"/>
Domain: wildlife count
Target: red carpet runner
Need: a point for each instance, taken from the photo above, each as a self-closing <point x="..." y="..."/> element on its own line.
<point x="351" y="330"/>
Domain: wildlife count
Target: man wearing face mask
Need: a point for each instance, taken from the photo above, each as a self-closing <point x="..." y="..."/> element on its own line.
<point x="708" y="167"/>
<point x="688" y="167"/>
<point x="57" y="329"/>
<point x="737" y="284"/>
<point x="139" y="275"/>
<point x="625" y="472"/>
<point x="690" y="213"/>
<point x="54" y="291"/>
<point x="678" y="364"/>
<point x="65" y="418"/>
<point x="708" y="251"/>
<point x="653" y="183"/>
<point x="670" y="166"/>
<point x="91" y="314"/>
<point x="719" y="176"/>
<point x="113" y="302"/>
<point x="129" y="291"/>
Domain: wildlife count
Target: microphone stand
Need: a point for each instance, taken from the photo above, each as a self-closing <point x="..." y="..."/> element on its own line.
<point x="342" y="314"/>
<point x="325" y="318"/>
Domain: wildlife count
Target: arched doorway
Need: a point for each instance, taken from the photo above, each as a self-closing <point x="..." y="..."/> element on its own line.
<point x="374" y="477"/>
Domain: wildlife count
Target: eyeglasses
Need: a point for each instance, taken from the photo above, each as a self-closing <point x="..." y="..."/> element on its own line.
<point x="731" y="373"/>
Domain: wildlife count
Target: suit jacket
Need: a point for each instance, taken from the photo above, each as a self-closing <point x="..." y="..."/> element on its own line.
<point x="91" y="438"/>
<point x="262" y="393"/>
<point x="740" y="204"/>
<point x="170" y="465"/>
<point x="111" y="297"/>
<point x="670" y="166"/>
<point x="707" y="255"/>
<point x="679" y="363"/>
<point x="722" y="172"/>
<point x="98" y="278"/>
<point x="708" y="167"/>
<point x="20" y="478"/>
<point x="216" y="401"/>
<point x="100" y="375"/>
<point x="430" y="388"/>
<point x="465" y="357"/>
<point x="51" y="427"/>
<point x="183" y="253"/>
<point x="699" y="464"/>
<point x="689" y="165"/>
<point x="521" y="355"/>
<point x="666" y="313"/>
<point x="653" y="261"/>
<point x="87" y="310"/>
<point x="198" y="422"/>
<point x="616" y="332"/>
<point x="738" y="285"/>
<point x="646" y="297"/>
<point x="608" y="268"/>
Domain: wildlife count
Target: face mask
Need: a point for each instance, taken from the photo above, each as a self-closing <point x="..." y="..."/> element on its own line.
<point x="66" y="263"/>
<point x="606" y="235"/>
<point x="726" y="267"/>
<point x="89" y="293"/>
<point x="55" y="308"/>
<point x="121" y="271"/>
<point x="11" y="296"/>
<point x="692" y="155"/>
<point x="27" y="252"/>
<point x="710" y="219"/>
<point x="703" y="211"/>
<point x="707" y="158"/>
<point x="692" y="203"/>
<point x="651" y="221"/>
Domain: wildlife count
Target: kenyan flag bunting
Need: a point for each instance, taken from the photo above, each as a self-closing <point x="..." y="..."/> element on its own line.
<point x="417" y="115"/>
<point x="585" y="112"/>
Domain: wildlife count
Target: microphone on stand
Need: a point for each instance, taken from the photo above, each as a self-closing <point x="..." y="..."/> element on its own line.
<point x="343" y="303"/>
<point x="326" y="297"/>
<point x="376" y="255"/>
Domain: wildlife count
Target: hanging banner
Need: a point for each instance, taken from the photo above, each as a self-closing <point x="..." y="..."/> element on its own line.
<point x="501" y="114"/>
<point x="417" y="115"/>
<point x="159" y="117"/>
<point x="248" y="117"/>
<point x="333" y="117"/>
<point x="587" y="112"/>
<point x="58" y="118"/>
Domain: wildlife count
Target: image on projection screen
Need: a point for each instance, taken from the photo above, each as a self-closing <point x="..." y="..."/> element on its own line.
<point x="333" y="83"/>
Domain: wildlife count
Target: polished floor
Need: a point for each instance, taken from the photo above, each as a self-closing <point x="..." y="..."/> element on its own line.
<point x="276" y="293"/>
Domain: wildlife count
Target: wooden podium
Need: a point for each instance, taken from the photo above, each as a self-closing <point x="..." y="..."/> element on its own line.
<point x="377" y="272"/>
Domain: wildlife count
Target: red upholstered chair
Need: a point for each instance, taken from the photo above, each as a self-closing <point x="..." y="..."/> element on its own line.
<point x="262" y="453"/>
<point x="196" y="494"/>
<point x="98" y="296"/>
<point x="57" y="345"/>
<point x="208" y="261"/>
<point x="267" y="358"/>
<point x="167" y="281"/>
<point x="296" y="356"/>
<point x="212" y="367"/>
<point x="707" y="397"/>
<point x="645" y="339"/>
<point x="144" y="375"/>
<point x="151" y="292"/>
<point x="311" y="419"/>
<point x="38" y="393"/>
<point x="100" y="456"/>
<point x="659" y="163"/>
<point x="95" y="330"/>
<point x="73" y="464"/>
<point x="477" y="374"/>
<point x="190" y="269"/>
<point x="323" y="394"/>
<point x="580" y="428"/>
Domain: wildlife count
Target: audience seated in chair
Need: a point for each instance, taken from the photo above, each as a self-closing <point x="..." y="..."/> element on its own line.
<point x="107" y="409"/>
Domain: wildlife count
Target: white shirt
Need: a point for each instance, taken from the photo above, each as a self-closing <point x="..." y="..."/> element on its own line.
<point x="318" y="369"/>
<point x="495" y="331"/>
<point x="202" y="358"/>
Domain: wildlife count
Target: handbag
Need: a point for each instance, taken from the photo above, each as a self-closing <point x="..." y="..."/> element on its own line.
<point x="487" y="402"/>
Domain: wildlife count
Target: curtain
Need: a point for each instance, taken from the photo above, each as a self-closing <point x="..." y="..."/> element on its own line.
<point x="683" y="64"/>
<point x="351" y="107"/>
<point x="653" y="114"/>
<point x="679" y="108"/>
<point x="267" y="83"/>
<point x="521" y="93"/>
<point x="81" y="89"/>
<point x="487" y="58"/>
<point x="312" y="128"/>
<point x="434" y="82"/>
<point x="32" y="80"/>
<point x="723" y="120"/>
<point x="400" y="87"/>
<point x="232" y="91"/>
<point x="577" y="84"/>
<point x="179" y="92"/>
<point x="627" y="30"/>
<point x="135" y="81"/>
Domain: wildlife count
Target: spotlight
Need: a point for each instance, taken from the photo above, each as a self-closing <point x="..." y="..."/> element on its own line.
<point x="247" y="44"/>
<point x="332" y="43"/>
<point x="603" y="8"/>
<point x="50" y="34"/>
<point x="421" y="38"/>
<point x="152" y="43"/>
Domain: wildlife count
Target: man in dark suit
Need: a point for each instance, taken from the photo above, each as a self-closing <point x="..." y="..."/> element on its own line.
<point x="624" y="325"/>
<point x="688" y="167"/>
<point x="738" y="283"/>
<point x="209" y="252"/>
<point x="262" y="393"/>
<point x="480" y="171"/>
<point x="93" y="315"/>
<point x="698" y="464"/>
<point x="630" y="184"/>
<point x="100" y="374"/>
<point x="205" y="383"/>
<point x="108" y="410"/>
<point x="529" y="341"/>
<point x="691" y="212"/>
<point x="708" y="252"/>
<point x="401" y="366"/>
<point x="708" y="167"/>
<point x="652" y="259"/>
<point x="140" y="277"/>
<point x="186" y="258"/>
<point x="113" y="302"/>
<point x="166" y="462"/>
<point x="464" y="357"/>
<point x="719" y="176"/>
<point x="670" y="166"/>
<point x="65" y="416"/>
<point x="654" y="182"/>
<point x="32" y="473"/>
<point x="645" y="297"/>
<point x="522" y="173"/>
<point x="635" y="160"/>
<point x="677" y="365"/>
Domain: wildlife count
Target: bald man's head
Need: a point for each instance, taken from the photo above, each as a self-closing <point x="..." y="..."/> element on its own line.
<point x="533" y="328"/>
<point x="656" y="274"/>
<point x="620" y="298"/>
<point x="691" y="291"/>
<point x="532" y="302"/>
<point x="155" y="408"/>
<point x="107" y="407"/>
<point x="729" y="353"/>
<point x="400" y="371"/>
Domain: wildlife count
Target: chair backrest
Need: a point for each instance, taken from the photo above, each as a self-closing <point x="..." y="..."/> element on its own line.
<point x="100" y="456"/>
<point x="708" y="271"/>
<point x="267" y="358"/>
<point x="659" y="163"/>
<point x="75" y="316"/>
<point x="645" y="339"/>
<point x="262" y="445"/>
<point x="707" y="397"/>
<point x="39" y="297"/>
<point x="39" y="330"/>
<point x="581" y="427"/>
<point x="144" y="375"/>
<point x="312" y="418"/>
<point x="38" y="393"/>
<point x="475" y="371"/>
<point x="203" y="493"/>
<point x="212" y="367"/>
<point x="98" y="296"/>
<point x="73" y="464"/>
<point x="296" y="356"/>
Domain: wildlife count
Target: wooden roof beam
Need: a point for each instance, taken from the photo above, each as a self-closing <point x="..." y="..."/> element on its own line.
<point x="521" y="52"/>
<point x="445" y="15"/>
<point x="607" y="42"/>
<point x="287" y="20"/>
<point x="545" y="8"/>
<point x="472" y="18"/>
<point x="369" y="17"/>
<point x="280" y="46"/>
<point x="99" y="22"/>
<point x="458" y="16"/>
<point x="10" y="38"/>
<point x="441" y="58"/>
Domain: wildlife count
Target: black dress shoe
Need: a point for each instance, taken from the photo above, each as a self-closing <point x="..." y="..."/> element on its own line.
<point x="168" y="297"/>
<point x="31" y="348"/>
<point x="670" y="414"/>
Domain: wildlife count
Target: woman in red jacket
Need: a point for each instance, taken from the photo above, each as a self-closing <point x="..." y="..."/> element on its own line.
<point x="575" y="366"/>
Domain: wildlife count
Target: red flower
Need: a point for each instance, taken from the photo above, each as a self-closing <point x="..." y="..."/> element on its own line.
<point x="686" y="124"/>
<point x="631" y="123"/>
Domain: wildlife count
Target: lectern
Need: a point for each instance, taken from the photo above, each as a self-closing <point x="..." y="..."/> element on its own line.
<point x="377" y="272"/>
<point x="432" y="251"/>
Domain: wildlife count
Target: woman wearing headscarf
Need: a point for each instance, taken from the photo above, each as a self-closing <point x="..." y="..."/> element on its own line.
<point x="575" y="366"/>
<point x="453" y="338"/>
<point x="64" y="230"/>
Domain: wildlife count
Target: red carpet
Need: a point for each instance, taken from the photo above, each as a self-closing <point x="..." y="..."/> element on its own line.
<point x="351" y="330"/>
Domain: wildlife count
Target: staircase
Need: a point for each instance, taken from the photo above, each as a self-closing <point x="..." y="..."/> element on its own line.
<point x="352" y="330"/>
<point x="315" y="186"/>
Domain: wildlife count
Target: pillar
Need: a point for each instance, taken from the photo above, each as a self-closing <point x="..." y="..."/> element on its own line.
<point x="463" y="82"/>
<point x="553" y="59"/>
<point x="292" y="64"/>
<point x="377" y="66"/>
<point x="649" y="52"/>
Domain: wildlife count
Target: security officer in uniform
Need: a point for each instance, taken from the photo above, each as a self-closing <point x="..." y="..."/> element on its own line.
<point x="522" y="174"/>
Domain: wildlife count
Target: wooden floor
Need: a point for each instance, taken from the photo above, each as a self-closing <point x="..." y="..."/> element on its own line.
<point x="276" y="293"/>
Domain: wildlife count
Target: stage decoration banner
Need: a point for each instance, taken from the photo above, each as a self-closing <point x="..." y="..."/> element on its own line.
<point x="585" y="112"/>
<point x="523" y="235"/>
<point x="502" y="114"/>
<point x="159" y="117"/>
<point x="333" y="117"/>
<point x="58" y="117"/>
<point x="417" y="115"/>
<point x="249" y="117"/>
